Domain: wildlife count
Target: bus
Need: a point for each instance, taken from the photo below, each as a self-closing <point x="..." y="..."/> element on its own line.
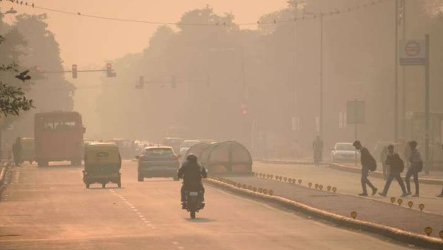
<point x="58" y="137"/>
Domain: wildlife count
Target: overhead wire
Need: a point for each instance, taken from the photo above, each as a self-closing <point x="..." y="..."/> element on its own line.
<point x="275" y="21"/>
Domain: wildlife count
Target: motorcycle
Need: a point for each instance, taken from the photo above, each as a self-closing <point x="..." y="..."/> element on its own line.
<point x="194" y="199"/>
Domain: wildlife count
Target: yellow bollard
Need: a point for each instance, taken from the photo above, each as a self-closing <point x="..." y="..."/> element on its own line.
<point x="290" y="180"/>
<point x="421" y="206"/>
<point x="244" y="186"/>
<point x="310" y="184"/>
<point x="249" y="187"/>
<point x="285" y="179"/>
<point x="334" y="189"/>
<point x="260" y="190"/>
<point x="329" y="188"/>
<point x="441" y="234"/>
<point x="271" y="192"/>
<point x="353" y="215"/>
<point x="239" y="185"/>
<point x="299" y="182"/>
<point x="281" y="178"/>
<point x="320" y="187"/>
<point x="265" y="191"/>
<point x="399" y="201"/>
<point x="254" y="189"/>
<point x="410" y="204"/>
<point x="316" y="185"/>
<point x="428" y="230"/>
<point x="393" y="200"/>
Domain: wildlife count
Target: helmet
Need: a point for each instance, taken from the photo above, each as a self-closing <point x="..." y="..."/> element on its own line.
<point x="191" y="158"/>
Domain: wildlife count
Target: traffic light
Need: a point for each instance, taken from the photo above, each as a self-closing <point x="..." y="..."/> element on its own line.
<point x="141" y="83"/>
<point x="109" y="72"/>
<point x="244" y="110"/>
<point x="74" y="71"/>
<point x="173" y="82"/>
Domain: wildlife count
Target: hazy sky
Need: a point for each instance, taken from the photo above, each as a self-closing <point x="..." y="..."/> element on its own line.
<point x="86" y="41"/>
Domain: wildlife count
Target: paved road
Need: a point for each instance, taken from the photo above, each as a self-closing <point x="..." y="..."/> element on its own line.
<point x="49" y="208"/>
<point x="349" y="183"/>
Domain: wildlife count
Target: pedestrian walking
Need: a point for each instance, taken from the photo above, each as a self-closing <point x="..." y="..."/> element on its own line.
<point x="383" y="156"/>
<point x="317" y="147"/>
<point x="396" y="167"/>
<point x="367" y="163"/>
<point x="407" y="154"/>
<point x="17" y="151"/>
<point x="416" y="166"/>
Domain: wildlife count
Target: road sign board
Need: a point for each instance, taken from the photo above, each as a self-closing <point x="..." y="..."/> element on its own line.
<point x="413" y="52"/>
<point x="355" y="112"/>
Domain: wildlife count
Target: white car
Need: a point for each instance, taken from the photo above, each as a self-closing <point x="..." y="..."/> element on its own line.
<point x="344" y="152"/>
<point x="187" y="144"/>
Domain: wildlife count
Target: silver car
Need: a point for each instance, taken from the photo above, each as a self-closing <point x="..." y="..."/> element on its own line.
<point x="344" y="152"/>
<point x="160" y="161"/>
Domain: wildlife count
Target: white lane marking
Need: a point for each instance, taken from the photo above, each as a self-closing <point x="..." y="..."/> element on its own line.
<point x="132" y="207"/>
<point x="175" y="242"/>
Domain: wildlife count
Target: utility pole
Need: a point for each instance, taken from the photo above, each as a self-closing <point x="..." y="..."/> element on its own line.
<point x="396" y="74"/>
<point x="427" y="159"/>
<point x="321" y="78"/>
<point x="403" y="125"/>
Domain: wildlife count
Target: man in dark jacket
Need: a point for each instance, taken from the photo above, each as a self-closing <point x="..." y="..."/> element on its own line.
<point x="17" y="151"/>
<point x="416" y="166"/>
<point x="192" y="174"/>
<point x="396" y="166"/>
<point x="366" y="160"/>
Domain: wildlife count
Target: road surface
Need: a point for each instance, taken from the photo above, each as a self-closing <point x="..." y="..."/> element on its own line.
<point x="349" y="183"/>
<point x="50" y="208"/>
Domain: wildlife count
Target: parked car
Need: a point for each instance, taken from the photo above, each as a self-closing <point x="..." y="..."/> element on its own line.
<point x="158" y="161"/>
<point x="344" y="152"/>
<point x="186" y="145"/>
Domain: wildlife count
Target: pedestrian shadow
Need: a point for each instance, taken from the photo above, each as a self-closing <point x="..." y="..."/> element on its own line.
<point x="200" y="220"/>
<point x="106" y="188"/>
<point x="59" y="167"/>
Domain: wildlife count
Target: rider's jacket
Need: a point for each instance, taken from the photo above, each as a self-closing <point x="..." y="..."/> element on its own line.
<point x="191" y="173"/>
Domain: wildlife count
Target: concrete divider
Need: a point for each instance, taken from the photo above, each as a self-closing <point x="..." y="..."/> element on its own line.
<point x="386" y="231"/>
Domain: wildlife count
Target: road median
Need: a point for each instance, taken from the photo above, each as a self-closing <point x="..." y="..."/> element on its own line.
<point x="340" y="208"/>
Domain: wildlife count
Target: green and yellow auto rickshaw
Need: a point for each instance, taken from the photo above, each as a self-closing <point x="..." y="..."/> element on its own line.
<point x="28" y="150"/>
<point x="102" y="164"/>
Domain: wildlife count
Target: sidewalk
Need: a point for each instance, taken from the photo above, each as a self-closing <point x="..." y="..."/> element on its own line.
<point x="393" y="215"/>
<point x="433" y="178"/>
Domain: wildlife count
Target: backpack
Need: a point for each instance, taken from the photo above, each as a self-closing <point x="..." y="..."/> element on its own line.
<point x="372" y="164"/>
<point x="399" y="163"/>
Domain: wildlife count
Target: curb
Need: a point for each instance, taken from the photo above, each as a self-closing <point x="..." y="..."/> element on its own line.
<point x="386" y="231"/>
<point x="378" y="174"/>
<point x="290" y="162"/>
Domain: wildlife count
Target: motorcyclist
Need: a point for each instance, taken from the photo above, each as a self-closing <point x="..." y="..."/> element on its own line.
<point x="192" y="173"/>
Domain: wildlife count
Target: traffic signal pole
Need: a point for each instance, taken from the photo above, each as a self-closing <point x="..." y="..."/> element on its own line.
<point x="396" y="74"/>
<point x="427" y="165"/>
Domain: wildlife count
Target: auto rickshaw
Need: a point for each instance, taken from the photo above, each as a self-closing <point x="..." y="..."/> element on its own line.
<point x="102" y="164"/>
<point x="28" y="150"/>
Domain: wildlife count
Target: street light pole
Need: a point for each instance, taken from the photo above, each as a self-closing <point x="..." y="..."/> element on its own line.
<point x="396" y="74"/>
<point x="404" y="72"/>
<point x="321" y="78"/>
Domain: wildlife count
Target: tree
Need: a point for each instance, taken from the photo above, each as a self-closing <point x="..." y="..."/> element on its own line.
<point x="12" y="99"/>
